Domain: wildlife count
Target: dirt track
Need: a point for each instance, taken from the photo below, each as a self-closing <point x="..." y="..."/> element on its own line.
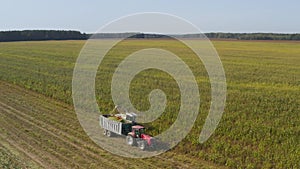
<point x="48" y="133"/>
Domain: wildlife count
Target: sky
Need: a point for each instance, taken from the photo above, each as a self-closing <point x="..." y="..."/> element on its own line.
<point x="88" y="16"/>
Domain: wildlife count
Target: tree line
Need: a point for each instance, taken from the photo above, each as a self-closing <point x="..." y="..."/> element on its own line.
<point x="35" y="35"/>
<point x="254" y="36"/>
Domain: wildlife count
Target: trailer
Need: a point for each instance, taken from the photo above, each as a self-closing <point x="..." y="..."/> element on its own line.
<point x="115" y="127"/>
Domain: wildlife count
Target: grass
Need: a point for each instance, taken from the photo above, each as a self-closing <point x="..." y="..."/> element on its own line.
<point x="260" y="125"/>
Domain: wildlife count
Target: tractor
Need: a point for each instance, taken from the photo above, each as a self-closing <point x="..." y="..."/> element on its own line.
<point x="138" y="137"/>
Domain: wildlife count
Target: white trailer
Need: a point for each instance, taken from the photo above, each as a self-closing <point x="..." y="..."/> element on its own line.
<point x="114" y="127"/>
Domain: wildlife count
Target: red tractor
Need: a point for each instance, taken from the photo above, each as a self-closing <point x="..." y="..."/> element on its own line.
<point x="138" y="137"/>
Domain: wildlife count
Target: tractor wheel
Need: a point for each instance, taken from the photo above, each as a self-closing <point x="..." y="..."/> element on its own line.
<point x="130" y="140"/>
<point x="104" y="132"/>
<point x="109" y="133"/>
<point x="142" y="145"/>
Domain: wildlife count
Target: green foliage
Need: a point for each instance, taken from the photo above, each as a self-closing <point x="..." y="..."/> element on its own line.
<point x="9" y="160"/>
<point x="30" y="35"/>
<point x="260" y="126"/>
<point x="252" y="36"/>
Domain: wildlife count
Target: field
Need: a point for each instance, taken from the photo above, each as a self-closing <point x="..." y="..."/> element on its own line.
<point x="259" y="128"/>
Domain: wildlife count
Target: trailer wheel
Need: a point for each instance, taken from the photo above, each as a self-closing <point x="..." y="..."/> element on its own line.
<point x="108" y="133"/>
<point x="130" y="140"/>
<point x="142" y="145"/>
<point x="104" y="132"/>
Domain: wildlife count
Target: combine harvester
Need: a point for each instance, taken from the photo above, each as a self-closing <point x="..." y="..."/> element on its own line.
<point x="124" y="124"/>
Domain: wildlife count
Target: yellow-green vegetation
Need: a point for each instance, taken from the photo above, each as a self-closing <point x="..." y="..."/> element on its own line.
<point x="8" y="160"/>
<point x="11" y="158"/>
<point x="260" y="125"/>
<point x="117" y="119"/>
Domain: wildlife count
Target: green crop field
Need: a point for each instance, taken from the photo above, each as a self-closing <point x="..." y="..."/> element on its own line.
<point x="260" y="125"/>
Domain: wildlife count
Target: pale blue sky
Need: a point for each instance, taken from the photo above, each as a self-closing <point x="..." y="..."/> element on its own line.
<point x="208" y="15"/>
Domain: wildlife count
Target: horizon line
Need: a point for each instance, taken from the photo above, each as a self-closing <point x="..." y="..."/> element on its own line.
<point x="239" y="32"/>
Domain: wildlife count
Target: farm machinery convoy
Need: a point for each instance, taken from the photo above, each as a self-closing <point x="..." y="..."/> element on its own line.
<point x="124" y="123"/>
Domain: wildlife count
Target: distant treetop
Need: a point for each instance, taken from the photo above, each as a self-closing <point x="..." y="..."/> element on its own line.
<point x="37" y="35"/>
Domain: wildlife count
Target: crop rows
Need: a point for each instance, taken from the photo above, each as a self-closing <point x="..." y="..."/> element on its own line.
<point x="259" y="128"/>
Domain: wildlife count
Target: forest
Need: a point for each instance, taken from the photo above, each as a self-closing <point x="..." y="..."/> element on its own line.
<point x="37" y="35"/>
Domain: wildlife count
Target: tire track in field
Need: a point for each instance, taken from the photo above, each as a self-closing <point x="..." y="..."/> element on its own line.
<point x="28" y="146"/>
<point x="48" y="129"/>
<point x="28" y="154"/>
<point x="58" y="137"/>
<point x="60" y="156"/>
<point x="20" y="135"/>
<point x="25" y="119"/>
